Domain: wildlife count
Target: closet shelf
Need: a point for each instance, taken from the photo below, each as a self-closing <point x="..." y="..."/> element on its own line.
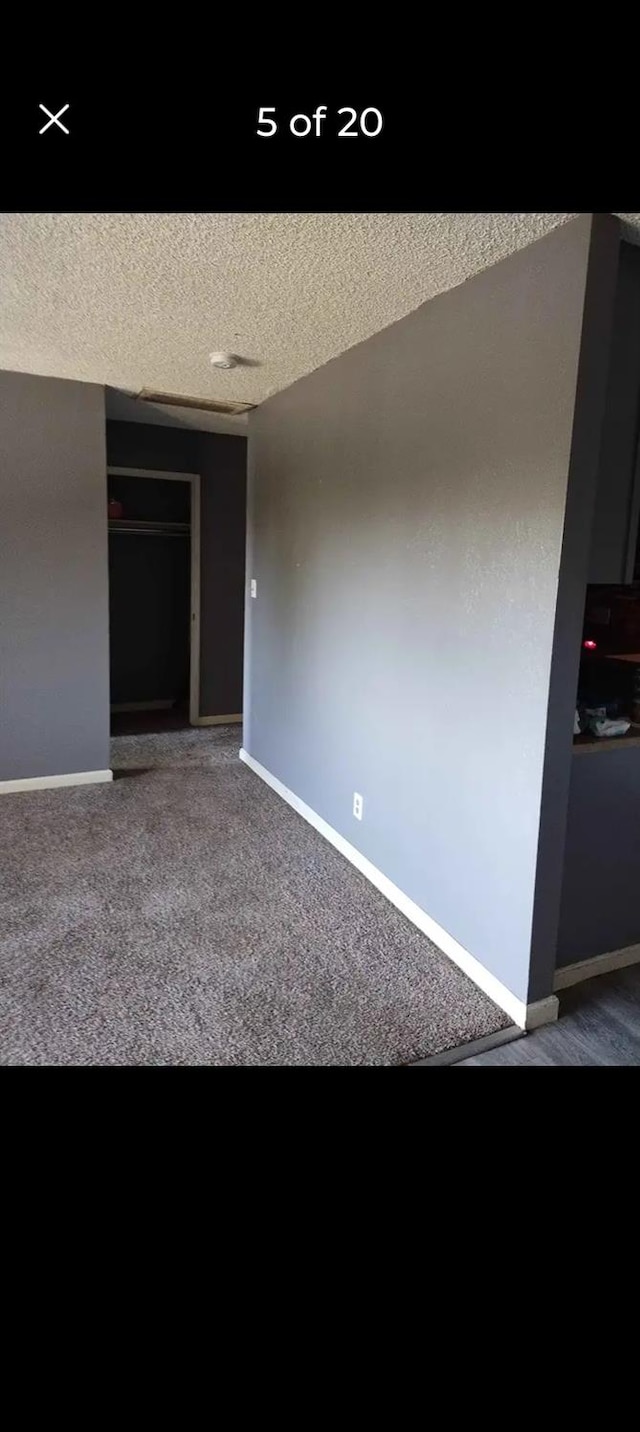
<point x="129" y="524"/>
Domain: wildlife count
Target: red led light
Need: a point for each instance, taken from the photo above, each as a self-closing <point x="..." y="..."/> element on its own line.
<point x="590" y="645"/>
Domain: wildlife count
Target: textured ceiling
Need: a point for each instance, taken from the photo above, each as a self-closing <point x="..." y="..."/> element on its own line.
<point x="140" y="300"/>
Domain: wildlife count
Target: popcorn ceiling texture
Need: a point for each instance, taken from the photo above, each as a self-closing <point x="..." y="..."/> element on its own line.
<point x="140" y="300"/>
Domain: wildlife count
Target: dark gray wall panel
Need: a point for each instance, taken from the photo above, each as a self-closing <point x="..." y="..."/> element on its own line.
<point x="144" y="445"/>
<point x="221" y="462"/>
<point x="601" y="890"/>
<point x="616" y="521"/>
<point x="223" y="465"/>
<point x="406" y="516"/>
<point x="54" y="651"/>
<point x="598" y="329"/>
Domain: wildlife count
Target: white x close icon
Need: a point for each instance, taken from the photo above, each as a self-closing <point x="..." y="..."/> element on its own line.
<point x="53" y="119"/>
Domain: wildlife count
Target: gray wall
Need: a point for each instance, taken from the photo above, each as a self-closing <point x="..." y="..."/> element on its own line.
<point x="222" y="462"/>
<point x="600" y="904"/>
<point x="585" y="478"/>
<point x="54" y="643"/>
<point x="614" y="529"/>
<point x="223" y="511"/>
<point x="406" y="513"/>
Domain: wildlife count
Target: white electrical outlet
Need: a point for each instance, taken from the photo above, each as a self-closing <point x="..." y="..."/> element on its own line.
<point x="357" y="805"/>
<point x="254" y="587"/>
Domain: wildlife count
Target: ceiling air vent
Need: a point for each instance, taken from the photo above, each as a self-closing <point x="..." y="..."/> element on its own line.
<point x="202" y="405"/>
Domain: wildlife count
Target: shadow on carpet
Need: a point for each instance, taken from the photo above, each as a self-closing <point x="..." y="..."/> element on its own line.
<point x="189" y="916"/>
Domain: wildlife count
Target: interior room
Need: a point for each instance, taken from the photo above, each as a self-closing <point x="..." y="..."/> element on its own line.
<point x="150" y="615"/>
<point x="320" y="641"/>
<point x="176" y="505"/>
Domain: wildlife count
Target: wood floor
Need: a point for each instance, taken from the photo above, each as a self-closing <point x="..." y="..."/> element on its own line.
<point x="599" y="1024"/>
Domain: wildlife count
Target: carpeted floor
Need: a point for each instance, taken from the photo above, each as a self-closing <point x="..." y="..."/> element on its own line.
<point x="185" y="915"/>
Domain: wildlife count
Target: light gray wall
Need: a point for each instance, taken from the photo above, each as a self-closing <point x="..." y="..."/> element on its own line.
<point x="600" y="904"/>
<point x="54" y="640"/>
<point x="406" y="511"/>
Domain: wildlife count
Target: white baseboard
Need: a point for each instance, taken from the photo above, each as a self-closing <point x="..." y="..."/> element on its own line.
<point x="531" y="1016"/>
<point x="216" y="720"/>
<point x="45" y="783"/>
<point x="542" y="1011"/>
<point x="569" y="975"/>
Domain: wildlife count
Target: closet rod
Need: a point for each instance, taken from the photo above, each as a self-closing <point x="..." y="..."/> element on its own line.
<point x="146" y="532"/>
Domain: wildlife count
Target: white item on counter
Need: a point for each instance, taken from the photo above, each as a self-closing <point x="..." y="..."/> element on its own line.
<point x="599" y="726"/>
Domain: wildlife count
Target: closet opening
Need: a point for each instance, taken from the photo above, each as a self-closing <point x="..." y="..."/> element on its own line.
<point x="154" y="599"/>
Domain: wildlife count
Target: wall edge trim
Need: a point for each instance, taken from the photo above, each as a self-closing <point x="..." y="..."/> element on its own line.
<point x="217" y="720"/>
<point x="448" y="1057"/>
<point x="531" y="1016"/>
<point x="580" y="970"/>
<point x="44" y="783"/>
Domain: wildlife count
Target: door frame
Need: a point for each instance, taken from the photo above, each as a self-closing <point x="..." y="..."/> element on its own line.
<point x="194" y="637"/>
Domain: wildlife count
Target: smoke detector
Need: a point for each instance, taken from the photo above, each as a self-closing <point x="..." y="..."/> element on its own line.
<point x="223" y="360"/>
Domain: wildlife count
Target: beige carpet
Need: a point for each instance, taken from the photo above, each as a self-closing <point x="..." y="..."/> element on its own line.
<point x="186" y="915"/>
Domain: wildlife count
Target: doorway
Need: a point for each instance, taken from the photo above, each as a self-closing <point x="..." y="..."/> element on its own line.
<point x="154" y="599"/>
